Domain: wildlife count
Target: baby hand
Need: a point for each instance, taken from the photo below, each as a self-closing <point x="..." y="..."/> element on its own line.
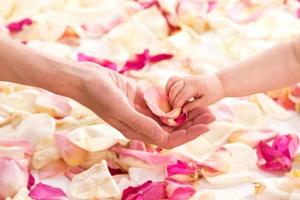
<point x="194" y="91"/>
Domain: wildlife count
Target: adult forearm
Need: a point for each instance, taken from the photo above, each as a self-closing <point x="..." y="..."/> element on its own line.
<point x="272" y="69"/>
<point x="24" y="65"/>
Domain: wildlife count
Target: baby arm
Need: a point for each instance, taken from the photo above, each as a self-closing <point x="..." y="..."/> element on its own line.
<point x="272" y="69"/>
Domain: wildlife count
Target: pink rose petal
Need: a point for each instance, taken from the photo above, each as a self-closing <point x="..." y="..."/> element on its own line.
<point x="13" y="176"/>
<point x="137" y="145"/>
<point x="136" y="158"/>
<point x="284" y="100"/>
<point x="244" y="11"/>
<point x="46" y="192"/>
<point x="24" y="144"/>
<point x="147" y="3"/>
<point x="181" y="118"/>
<point x="160" y="57"/>
<point x="137" y="63"/>
<point x="31" y="181"/>
<point x="103" y="62"/>
<point x="294" y="97"/>
<point x="55" y="105"/>
<point x="72" y="171"/>
<point x="147" y="157"/>
<point x="71" y="154"/>
<point x="287" y="144"/>
<point x="157" y="100"/>
<point x="182" y="171"/>
<point x="295" y="91"/>
<point x="179" y="191"/>
<point x="180" y="168"/>
<point x="211" y="5"/>
<point x="141" y="60"/>
<point x="147" y="191"/>
<point x="19" y="25"/>
<point x="116" y="171"/>
<point x="271" y="159"/>
<point x="55" y="168"/>
<point x="298" y="13"/>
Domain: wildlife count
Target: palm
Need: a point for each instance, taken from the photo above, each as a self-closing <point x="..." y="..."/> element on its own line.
<point x="120" y="102"/>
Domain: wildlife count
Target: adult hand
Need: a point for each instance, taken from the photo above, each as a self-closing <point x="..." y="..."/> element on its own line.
<point x="119" y="101"/>
<point x="115" y="98"/>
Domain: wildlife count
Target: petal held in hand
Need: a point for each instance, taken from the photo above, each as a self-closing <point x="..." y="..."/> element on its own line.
<point x="157" y="100"/>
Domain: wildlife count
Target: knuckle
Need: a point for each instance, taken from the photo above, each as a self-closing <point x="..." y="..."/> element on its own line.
<point x="153" y="135"/>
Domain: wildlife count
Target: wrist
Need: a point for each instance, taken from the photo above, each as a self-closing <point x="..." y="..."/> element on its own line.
<point x="73" y="80"/>
<point x="60" y="76"/>
<point x="27" y="66"/>
<point x="222" y="84"/>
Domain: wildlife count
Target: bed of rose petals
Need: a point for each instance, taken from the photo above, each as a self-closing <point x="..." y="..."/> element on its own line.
<point x="53" y="148"/>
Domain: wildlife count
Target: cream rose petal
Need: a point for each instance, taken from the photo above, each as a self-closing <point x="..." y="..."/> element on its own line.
<point x="21" y="100"/>
<point x="201" y="147"/>
<point x="21" y="195"/>
<point x="295" y="196"/>
<point x="252" y="138"/>
<point x="36" y="127"/>
<point x="45" y="153"/>
<point x="94" y="183"/>
<point x="140" y="175"/>
<point x="266" y="190"/>
<point x="238" y="172"/>
<point x="206" y="195"/>
<point x="248" y="114"/>
<point x="270" y="107"/>
<point x="96" y="138"/>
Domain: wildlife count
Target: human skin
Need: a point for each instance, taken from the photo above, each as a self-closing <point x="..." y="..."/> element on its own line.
<point x="115" y="98"/>
<point x="272" y="69"/>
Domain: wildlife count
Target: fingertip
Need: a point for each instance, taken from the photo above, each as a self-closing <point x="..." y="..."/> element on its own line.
<point x="212" y="118"/>
<point x="198" y="130"/>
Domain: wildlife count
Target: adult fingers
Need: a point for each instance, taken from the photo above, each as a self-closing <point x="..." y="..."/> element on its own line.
<point x="128" y="132"/>
<point x="196" y="112"/>
<point x="183" y="136"/>
<point x="141" y="124"/>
